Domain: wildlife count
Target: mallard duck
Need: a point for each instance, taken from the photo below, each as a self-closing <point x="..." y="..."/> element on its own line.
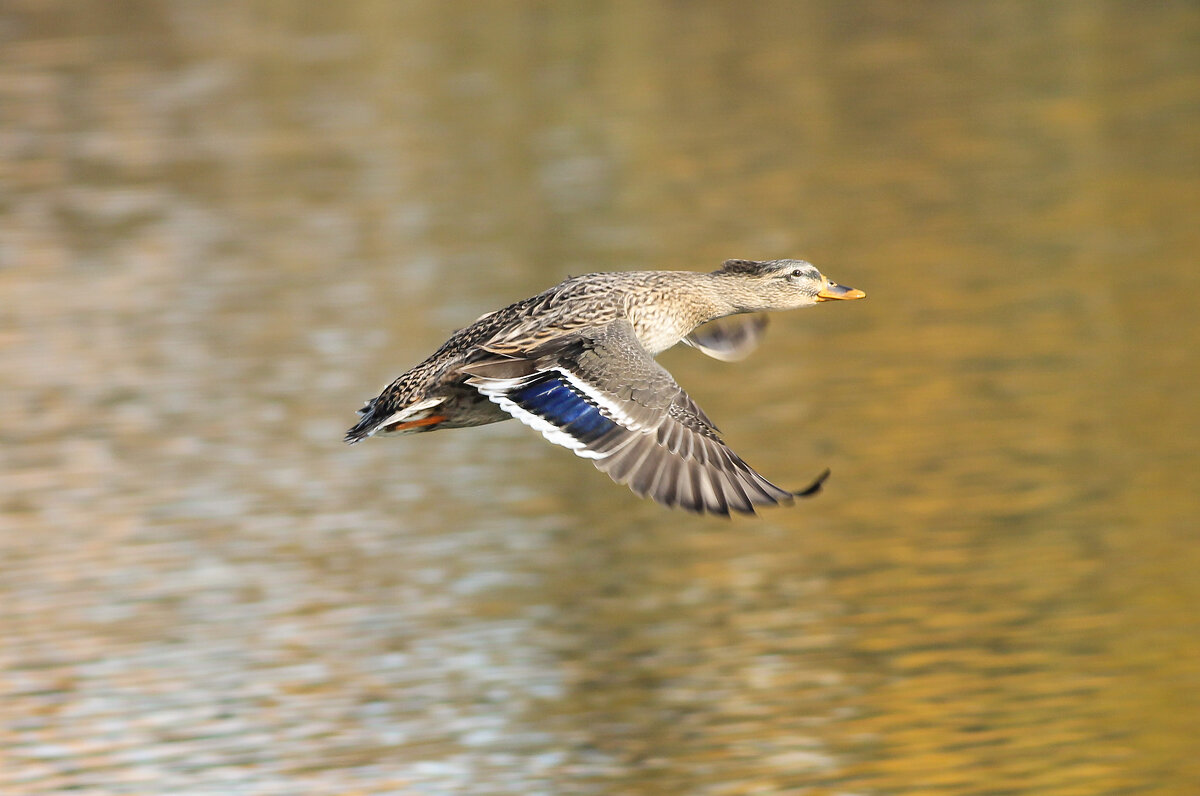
<point x="576" y="363"/>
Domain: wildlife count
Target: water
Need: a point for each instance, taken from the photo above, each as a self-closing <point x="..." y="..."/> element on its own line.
<point x="222" y="226"/>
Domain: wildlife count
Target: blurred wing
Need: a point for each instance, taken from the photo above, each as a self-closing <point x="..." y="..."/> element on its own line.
<point x="730" y="338"/>
<point x="600" y="394"/>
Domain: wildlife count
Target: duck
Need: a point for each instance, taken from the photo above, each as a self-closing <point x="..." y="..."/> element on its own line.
<point x="577" y="364"/>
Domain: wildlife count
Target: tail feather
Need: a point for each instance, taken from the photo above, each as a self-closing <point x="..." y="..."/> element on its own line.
<point x="381" y="414"/>
<point x="369" y="420"/>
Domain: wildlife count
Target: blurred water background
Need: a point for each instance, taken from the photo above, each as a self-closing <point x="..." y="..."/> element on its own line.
<point x="225" y="224"/>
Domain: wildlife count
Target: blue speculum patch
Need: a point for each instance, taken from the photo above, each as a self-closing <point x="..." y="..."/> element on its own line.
<point x="552" y="399"/>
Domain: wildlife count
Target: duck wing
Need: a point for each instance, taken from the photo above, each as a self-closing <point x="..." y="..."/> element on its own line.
<point x="731" y="338"/>
<point x="599" y="393"/>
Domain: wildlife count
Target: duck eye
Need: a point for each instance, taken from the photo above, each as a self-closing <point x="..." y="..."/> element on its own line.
<point x="797" y="273"/>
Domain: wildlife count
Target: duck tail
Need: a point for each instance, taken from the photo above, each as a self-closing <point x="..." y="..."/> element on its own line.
<point x="369" y="419"/>
<point x="387" y="415"/>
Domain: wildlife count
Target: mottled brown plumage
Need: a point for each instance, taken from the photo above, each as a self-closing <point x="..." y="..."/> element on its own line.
<point x="576" y="363"/>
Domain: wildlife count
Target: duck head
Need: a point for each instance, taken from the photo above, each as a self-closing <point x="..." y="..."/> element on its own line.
<point x="781" y="284"/>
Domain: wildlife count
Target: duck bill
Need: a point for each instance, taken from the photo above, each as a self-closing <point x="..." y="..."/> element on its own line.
<point x="832" y="291"/>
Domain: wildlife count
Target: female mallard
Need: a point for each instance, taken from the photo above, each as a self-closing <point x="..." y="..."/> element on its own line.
<point x="577" y="364"/>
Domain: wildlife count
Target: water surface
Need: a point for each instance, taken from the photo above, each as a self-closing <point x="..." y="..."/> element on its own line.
<point x="222" y="226"/>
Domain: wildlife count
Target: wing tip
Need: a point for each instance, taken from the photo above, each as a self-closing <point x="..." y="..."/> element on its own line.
<point x="755" y="499"/>
<point x="815" y="486"/>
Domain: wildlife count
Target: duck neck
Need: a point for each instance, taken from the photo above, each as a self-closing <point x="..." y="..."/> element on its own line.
<point x="727" y="294"/>
<point x="682" y="301"/>
<point x="712" y="296"/>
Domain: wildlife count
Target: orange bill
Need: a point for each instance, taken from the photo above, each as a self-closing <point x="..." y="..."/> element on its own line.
<point x="833" y="290"/>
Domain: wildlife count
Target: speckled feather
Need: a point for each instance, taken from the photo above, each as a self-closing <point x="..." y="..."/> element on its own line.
<point x="576" y="363"/>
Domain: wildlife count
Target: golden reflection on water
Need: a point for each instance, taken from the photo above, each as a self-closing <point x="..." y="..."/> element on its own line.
<point x="223" y="226"/>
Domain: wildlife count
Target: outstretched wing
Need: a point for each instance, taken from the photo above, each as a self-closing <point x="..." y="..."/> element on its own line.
<point x="600" y="394"/>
